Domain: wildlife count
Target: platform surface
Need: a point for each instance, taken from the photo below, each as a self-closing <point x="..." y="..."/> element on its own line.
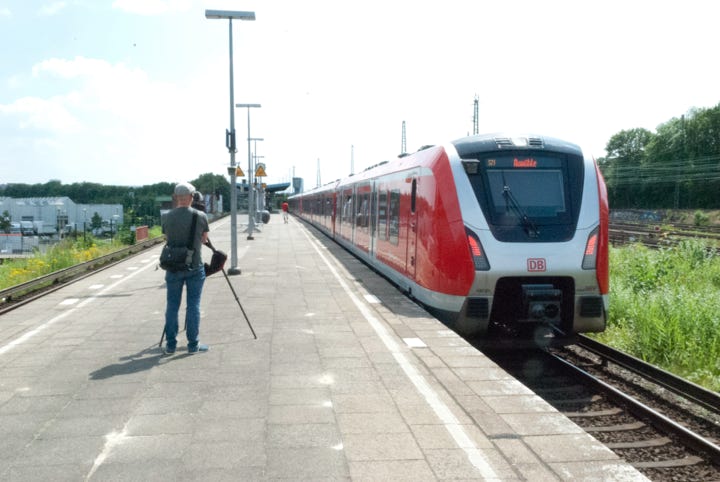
<point x="347" y="380"/>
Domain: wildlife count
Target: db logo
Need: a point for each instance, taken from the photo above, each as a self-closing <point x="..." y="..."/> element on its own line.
<point x="536" y="264"/>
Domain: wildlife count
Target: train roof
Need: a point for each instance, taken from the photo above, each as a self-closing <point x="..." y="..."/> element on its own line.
<point x="471" y="145"/>
<point x="466" y="147"/>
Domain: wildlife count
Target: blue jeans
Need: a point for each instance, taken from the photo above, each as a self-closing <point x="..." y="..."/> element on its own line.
<point x="194" y="280"/>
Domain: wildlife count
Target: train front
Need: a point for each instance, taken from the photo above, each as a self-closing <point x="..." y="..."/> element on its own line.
<point x="536" y="216"/>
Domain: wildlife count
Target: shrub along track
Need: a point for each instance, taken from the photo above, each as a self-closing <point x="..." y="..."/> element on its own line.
<point x="21" y="294"/>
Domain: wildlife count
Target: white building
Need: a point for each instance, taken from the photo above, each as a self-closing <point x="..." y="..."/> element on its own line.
<point x="50" y="215"/>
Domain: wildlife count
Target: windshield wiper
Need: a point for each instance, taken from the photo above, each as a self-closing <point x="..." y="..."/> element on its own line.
<point x="510" y="201"/>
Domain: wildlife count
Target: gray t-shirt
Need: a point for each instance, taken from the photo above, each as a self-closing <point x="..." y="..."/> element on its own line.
<point x="176" y="228"/>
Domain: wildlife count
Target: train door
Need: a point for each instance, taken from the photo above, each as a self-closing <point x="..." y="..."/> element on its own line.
<point x="333" y="213"/>
<point x="361" y="237"/>
<point x="346" y="213"/>
<point x="412" y="231"/>
<point x="373" y="219"/>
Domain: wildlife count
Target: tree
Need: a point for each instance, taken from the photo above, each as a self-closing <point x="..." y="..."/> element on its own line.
<point x="623" y="165"/>
<point x="676" y="167"/>
<point x="666" y="164"/>
<point x="5" y="222"/>
<point x="96" y="221"/>
<point x="702" y="149"/>
<point x="215" y="184"/>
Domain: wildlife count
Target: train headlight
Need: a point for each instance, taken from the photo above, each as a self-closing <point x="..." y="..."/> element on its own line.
<point x="477" y="252"/>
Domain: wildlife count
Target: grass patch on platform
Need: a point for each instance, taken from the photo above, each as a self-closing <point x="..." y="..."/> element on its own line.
<point x="665" y="308"/>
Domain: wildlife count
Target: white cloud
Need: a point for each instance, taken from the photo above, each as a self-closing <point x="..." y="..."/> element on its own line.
<point x="114" y="88"/>
<point x="42" y="114"/>
<point x="152" y="7"/>
<point x="138" y="129"/>
<point x="52" y="9"/>
<point x="5" y="12"/>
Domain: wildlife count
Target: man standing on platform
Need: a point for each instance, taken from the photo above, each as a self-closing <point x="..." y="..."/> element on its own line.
<point x="177" y="225"/>
<point x="285" y="208"/>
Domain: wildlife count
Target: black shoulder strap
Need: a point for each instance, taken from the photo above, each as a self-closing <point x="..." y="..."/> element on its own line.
<point x="191" y="236"/>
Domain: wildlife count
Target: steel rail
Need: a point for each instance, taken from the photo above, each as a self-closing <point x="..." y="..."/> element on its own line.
<point x="705" y="398"/>
<point x="657" y="419"/>
<point x="7" y="295"/>
<point x="670" y="228"/>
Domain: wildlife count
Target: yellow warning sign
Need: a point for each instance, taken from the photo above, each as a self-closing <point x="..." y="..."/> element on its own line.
<point x="239" y="172"/>
<point x="260" y="171"/>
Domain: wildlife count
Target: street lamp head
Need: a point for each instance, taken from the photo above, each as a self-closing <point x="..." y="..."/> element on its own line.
<point x="230" y="14"/>
<point x="247" y="105"/>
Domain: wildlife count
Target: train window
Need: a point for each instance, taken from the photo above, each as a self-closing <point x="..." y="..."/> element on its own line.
<point x="328" y="207"/>
<point x="382" y="215"/>
<point x="347" y="210"/>
<point x="394" y="222"/>
<point x="363" y="211"/>
<point x="413" y="196"/>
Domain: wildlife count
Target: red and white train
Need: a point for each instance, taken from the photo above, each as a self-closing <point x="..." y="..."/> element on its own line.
<point x="489" y="229"/>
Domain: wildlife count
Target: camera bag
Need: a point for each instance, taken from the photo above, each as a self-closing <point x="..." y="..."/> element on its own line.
<point x="179" y="258"/>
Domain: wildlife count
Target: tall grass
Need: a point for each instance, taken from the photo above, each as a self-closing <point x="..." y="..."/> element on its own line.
<point x="69" y="252"/>
<point x="665" y="308"/>
<point x="62" y="255"/>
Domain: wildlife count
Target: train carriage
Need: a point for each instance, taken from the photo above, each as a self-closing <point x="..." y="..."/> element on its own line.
<point x="486" y="230"/>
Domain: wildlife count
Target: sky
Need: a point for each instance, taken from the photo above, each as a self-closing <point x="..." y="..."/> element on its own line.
<point x="135" y="92"/>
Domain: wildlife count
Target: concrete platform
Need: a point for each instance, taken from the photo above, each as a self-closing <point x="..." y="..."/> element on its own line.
<point x="348" y="380"/>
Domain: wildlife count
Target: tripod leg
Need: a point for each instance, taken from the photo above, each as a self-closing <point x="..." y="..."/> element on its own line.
<point x="239" y="304"/>
<point x="162" y="337"/>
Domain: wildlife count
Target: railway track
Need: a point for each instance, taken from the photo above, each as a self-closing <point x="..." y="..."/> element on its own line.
<point x="653" y="236"/>
<point x="666" y="427"/>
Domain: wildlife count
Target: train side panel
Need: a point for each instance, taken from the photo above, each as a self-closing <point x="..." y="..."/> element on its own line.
<point x="443" y="263"/>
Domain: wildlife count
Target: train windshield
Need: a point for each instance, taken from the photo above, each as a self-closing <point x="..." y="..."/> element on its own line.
<point x="526" y="195"/>
<point x="536" y="193"/>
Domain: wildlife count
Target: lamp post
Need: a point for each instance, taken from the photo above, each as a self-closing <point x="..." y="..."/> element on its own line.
<point x="230" y="135"/>
<point x="254" y="168"/>
<point x="251" y="195"/>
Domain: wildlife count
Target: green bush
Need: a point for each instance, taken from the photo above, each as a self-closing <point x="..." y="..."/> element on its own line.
<point x="701" y="219"/>
<point x="665" y="308"/>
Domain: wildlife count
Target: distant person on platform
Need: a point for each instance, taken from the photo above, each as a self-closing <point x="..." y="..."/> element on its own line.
<point x="285" y="209"/>
<point x="198" y="202"/>
<point x="176" y="225"/>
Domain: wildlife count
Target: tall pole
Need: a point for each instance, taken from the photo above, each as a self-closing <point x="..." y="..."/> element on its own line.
<point x="230" y="135"/>
<point x="233" y="174"/>
<point x="476" y="116"/>
<point x="251" y="194"/>
<point x="251" y="187"/>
